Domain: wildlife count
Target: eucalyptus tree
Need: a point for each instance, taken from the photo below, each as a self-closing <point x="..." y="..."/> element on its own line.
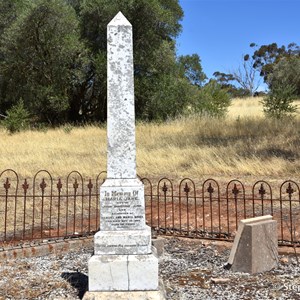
<point x="53" y="58"/>
<point x="266" y="57"/>
<point x="42" y="59"/>
<point x="155" y="27"/>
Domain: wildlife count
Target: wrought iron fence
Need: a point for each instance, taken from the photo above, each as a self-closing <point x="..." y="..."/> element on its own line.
<point x="46" y="208"/>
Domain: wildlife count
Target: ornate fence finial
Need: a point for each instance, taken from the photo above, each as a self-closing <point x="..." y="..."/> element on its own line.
<point x="6" y="185"/>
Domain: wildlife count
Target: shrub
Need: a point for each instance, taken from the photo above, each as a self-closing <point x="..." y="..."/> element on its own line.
<point x="17" y="118"/>
<point x="279" y="102"/>
<point x="212" y="100"/>
<point x="286" y="72"/>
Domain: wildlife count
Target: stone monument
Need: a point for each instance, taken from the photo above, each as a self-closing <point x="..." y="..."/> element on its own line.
<point x="123" y="265"/>
<point x="255" y="247"/>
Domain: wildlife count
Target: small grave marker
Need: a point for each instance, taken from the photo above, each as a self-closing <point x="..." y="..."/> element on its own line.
<point x="255" y="247"/>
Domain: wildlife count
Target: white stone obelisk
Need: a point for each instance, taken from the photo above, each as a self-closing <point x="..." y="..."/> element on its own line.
<point x="121" y="157"/>
<point x="123" y="260"/>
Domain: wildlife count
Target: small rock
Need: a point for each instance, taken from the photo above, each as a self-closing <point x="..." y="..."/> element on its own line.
<point x="284" y="260"/>
<point x="219" y="280"/>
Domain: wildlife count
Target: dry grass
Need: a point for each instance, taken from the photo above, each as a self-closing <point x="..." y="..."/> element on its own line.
<point x="58" y="151"/>
<point x="245" y="107"/>
<point x="243" y="144"/>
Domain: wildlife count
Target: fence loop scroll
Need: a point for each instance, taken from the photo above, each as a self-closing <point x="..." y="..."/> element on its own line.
<point x="262" y="199"/>
<point x="235" y="192"/>
<point x="164" y="206"/>
<point x="211" y="208"/>
<point x="10" y="207"/>
<point x="99" y="180"/>
<point x="289" y="210"/>
<point x="149" y="201"/>
<point x="74" y="208"/>
<point x="42" y="205"/>
<point x="188" y="222"/>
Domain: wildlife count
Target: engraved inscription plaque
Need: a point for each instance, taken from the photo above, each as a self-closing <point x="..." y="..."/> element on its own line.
<point x="122" y="208"/>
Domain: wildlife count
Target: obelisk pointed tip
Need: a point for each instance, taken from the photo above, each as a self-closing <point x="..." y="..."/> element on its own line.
<point x="119" y="20"/>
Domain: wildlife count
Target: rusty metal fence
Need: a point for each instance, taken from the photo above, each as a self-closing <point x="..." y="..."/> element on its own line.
<point x="47" y="208"/>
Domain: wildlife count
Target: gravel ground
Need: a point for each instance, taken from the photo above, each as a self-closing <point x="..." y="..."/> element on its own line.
<point x="190" y="269"/>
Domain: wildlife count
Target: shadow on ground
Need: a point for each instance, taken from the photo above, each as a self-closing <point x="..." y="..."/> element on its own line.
<point x="78" y="280"/>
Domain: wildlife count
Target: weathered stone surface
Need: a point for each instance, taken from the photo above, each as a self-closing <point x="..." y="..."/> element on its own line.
<point x="242" y="224"/>
<point x="256" y="247"/>
<point x="130" y="295"/>
<point x="123" y="242"/>
<point x="147" y="295"/>
<point x="121" y="159"/>
<point x="122" y="205"/>
<point x="159" y="244"/>
<point x="123" y="259"/>
<point x="220" y="280"/>
<point x="123" y="273"/>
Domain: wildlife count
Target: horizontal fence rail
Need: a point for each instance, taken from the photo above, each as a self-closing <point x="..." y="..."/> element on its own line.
<point x="47" y="208"/>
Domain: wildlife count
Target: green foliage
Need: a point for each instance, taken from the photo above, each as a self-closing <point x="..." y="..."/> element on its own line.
<point x="278" y="103"/>
<point x="286" y="72"/>
<point x="53" y="55"/>
<point x="225" y="79"/>
<point x="169" y="98"/>
<point x="190" y="67"/>
<point x="153" y="21"/>
<point x="67" y="128"/>
<point x="281" y="69"/>
<point x="155" y="27"/>
<point x="18" y="118"/>
<point x="42" y="56"/>
<point x="212" y="100"/>
<point x="9" y="11"/>
<point x="267" y="56"/>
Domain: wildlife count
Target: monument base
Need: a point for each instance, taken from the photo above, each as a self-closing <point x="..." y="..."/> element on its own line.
<point x="123" y="242"/>
<point x="123" y="273"/>
<point x="127" y="295"/>
<point x="148" y="295"/>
